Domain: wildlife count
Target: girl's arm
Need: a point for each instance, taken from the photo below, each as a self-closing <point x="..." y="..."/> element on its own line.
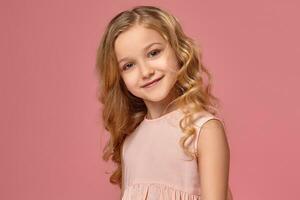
<point x="213" y="160"/>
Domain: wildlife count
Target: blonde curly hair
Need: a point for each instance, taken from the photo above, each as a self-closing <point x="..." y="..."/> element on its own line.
<point x="122" y="111"/>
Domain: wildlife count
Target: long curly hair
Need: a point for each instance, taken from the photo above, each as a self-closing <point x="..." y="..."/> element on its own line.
<point x="122" y="111"/>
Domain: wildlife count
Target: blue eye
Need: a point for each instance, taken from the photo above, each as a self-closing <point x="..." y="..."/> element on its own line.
<point x="126" y="65"/>
<point x="156" y="51"/>
<point x="151" y="54"/>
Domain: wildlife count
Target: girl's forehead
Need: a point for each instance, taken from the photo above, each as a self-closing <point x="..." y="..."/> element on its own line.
<point x="137" y="36"/>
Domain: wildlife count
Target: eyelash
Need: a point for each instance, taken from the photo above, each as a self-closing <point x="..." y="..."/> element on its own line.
<point x="155" y="50"/>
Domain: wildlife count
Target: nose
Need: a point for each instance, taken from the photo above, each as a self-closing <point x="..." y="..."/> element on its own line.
<point x="146" y="70"/>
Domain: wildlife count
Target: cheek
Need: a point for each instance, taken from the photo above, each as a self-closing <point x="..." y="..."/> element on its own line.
<point x="170" y="67"/>
<point x="130" y="80"/>
<point x="166" y="63"/>
<point x="160" y="63"/>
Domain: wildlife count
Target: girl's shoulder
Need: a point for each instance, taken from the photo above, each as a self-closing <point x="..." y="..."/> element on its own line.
<point x="204" y="117"/>
<point x="209" y="128"/>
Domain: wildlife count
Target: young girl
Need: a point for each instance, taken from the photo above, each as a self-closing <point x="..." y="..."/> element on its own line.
<point x="165" y="136"/>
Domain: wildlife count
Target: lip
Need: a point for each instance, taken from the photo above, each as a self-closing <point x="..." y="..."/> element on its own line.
<point x="149" y="84"/>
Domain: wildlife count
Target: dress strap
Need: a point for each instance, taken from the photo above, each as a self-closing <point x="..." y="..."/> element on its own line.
<point x="199" y="124"/>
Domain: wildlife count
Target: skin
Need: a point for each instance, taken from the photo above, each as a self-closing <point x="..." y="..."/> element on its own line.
<point x="214" y="161"/>
<point x="143" y="65"/>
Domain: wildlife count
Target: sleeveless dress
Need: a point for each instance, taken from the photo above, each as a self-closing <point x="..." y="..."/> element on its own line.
<point x="154" y="166"/>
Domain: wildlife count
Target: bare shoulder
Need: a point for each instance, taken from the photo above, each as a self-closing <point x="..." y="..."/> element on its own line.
<point x="213" y="160"/>
<point x="212" y="136"/>
<point x="214" y="125"/>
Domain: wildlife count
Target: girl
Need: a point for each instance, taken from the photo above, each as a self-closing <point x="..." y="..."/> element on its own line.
<point x="165" y="136"/>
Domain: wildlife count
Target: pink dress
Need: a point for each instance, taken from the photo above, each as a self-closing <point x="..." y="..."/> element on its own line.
<point x="154" y="165"/>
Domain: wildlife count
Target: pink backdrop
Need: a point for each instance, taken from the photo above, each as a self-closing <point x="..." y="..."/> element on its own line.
<point x="50" y="131"/>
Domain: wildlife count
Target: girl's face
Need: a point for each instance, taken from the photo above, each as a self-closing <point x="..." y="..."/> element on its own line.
<point x="144" y="56"/>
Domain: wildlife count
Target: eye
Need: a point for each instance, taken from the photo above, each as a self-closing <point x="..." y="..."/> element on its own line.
<point x="151" y="53"/>
<point x="154" y="52"/>
<point x="126" y="66"/>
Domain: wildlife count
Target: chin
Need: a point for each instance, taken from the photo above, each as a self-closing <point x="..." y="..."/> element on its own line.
<point x="157" y="96"/>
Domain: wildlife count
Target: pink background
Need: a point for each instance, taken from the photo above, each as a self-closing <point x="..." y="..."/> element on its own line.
<point x="50" y="129"/>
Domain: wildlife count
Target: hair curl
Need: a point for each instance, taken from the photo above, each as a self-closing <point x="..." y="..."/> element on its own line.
<point x="122" y="111"/>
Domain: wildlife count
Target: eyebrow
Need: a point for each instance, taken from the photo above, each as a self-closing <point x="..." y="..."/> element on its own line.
<point x="145" y="48"/>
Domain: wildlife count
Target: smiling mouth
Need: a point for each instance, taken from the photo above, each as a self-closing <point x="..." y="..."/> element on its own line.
<point x="152" y="83"/>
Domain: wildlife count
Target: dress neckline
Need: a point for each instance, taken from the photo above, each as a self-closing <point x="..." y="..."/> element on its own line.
<point x="163" y="116"/>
